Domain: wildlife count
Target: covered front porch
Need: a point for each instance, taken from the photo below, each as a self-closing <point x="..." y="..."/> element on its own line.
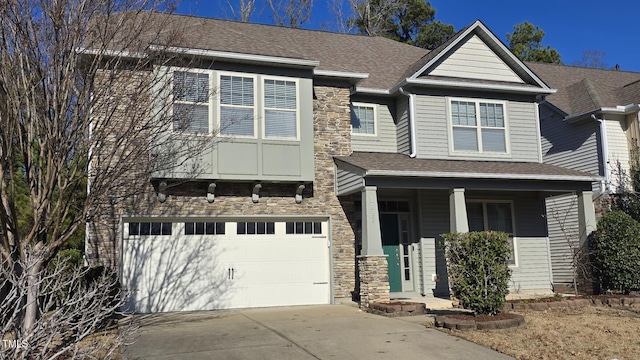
<point x="402" y="205"/>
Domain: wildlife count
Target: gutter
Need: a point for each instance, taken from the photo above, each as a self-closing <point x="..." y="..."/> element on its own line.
<point x="237" y="56"/>
<point x="453" y="84"/>
<point x="412" y="123"/>
<point x="618" y="110"/>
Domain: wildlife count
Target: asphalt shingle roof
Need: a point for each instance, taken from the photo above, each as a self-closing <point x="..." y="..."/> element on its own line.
<point x="581" y="90"/>
<point x="390" y="162"/>
<point x="383" y="59"/>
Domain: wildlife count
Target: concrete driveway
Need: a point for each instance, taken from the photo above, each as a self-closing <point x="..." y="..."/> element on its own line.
<point x="305" y="332"/>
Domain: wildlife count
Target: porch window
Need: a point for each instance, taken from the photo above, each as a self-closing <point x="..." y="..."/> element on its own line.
<point x="496" y="216"/>
<point x="478" y="126"/>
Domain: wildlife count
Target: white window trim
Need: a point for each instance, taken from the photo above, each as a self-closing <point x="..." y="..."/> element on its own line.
<point x="172" y="101"/>
<point x="256" y="103"/>
<point x="513" y="223"/>
<point x="264" y="107"/>
<point x="480" y="152"/>
<point x="375" y="119"/>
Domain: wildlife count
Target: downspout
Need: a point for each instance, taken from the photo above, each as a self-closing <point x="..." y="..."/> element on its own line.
<point x="412" y="124"/>
<point x="604" y="185"/>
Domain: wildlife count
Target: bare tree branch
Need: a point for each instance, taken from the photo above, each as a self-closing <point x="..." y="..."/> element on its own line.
<point x="291" y="13"/>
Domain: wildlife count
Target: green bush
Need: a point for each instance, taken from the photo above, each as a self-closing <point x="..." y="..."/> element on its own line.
<point x="478" y="269"/>
<point x="616" y="253"/>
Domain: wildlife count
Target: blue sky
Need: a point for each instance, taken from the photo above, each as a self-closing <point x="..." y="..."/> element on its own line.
<point x="570" y="26"/>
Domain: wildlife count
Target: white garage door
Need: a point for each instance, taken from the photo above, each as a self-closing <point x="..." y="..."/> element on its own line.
<point x="209" y="264"/>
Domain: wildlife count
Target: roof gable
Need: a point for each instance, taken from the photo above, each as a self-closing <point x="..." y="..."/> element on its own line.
<point x="489" y="58"/>
<point x="474" y="59"/>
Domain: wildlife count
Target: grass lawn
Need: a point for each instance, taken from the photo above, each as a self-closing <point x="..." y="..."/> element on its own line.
<point x="592" y="332"/>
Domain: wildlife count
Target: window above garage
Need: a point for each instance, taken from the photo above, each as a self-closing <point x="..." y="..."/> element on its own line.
<point x="264" y="119"/>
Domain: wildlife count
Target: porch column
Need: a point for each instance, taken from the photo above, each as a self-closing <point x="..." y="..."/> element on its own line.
<point x="371" y="237"/>
<point x="372" y="263"/>
<point x="586" y="215"/>
<point x="458" y="211"/>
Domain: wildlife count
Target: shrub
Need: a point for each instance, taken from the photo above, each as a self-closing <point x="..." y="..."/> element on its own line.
<point x="616" y="252"/>
<point x="478" y="269"/>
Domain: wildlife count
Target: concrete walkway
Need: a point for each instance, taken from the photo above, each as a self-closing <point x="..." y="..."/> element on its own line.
<point x="304" y="332"/>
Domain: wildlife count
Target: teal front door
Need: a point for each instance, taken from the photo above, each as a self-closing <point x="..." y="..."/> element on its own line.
<point x="390" y="247"/>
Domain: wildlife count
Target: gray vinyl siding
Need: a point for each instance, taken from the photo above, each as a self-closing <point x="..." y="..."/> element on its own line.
<point x="475" y="60"/>
<point x="574" y="146"/>
<point x="532" y="272"/>
<point x="402" y="129"/>
<point x="385" y="139"/>
<point x="533" y="266"/>
<point x="432" y="128"/>
<point x="562" y="219"/>
<point x="435" y="221"/>
<point x="349" y="181"/>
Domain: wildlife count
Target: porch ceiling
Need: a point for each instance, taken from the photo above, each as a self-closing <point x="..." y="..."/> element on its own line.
<point x="386" y="169"/>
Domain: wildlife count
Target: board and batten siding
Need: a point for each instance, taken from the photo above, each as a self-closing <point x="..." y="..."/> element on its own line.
<point x="432" y="127"/>
<point x="475" y="60"/>
<point x="618" y="151"/>
<point x="562" y="221"/>
<point x="573" y="146"/>
<point x="385" y="139"/>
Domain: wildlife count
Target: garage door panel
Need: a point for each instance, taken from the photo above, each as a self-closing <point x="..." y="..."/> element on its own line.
<point x="183" y="272"/>
<point x="167" y="274"/>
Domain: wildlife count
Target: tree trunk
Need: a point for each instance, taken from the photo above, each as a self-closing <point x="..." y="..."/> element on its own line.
<point x="33" y="290"/>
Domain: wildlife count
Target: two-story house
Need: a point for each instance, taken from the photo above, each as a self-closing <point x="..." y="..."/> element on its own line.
<point x="340" y="161"/>
<point x="590" y="124"/>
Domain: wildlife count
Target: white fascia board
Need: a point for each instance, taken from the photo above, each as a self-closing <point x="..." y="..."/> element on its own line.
<point x="477" y="86"/>
<point x="372" y="91"/>
<point x="513" y="57"/>
<point x="442" y="174"/>
<point x="238" y="56"/>
<point x="112" y="53"/>
<point x="341" y="74"/>
<point x="470" y="29"/>
<point x="618" y="110"/>
<point x="445" y="50"/>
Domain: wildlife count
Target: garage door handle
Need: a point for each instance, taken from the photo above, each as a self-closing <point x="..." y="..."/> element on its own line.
<point x="230" y="273"/>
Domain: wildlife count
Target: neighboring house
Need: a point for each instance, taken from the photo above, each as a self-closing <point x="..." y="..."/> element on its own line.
<point x="590" y="124"/>
<point x="355" y="154"/>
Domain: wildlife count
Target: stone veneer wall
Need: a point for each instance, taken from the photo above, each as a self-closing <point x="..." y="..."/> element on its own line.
<point x="374" y="279"/>
<point x="332" y="137"/>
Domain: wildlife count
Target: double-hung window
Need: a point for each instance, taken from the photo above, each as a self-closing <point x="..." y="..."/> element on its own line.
<point x="479" y="126"/>
<point x="280" y="109"/>
<point x="496" y="216"/>
<point x="363" y="119"/>
<point x="237" y="105"/>
<point x="191" y="102"/>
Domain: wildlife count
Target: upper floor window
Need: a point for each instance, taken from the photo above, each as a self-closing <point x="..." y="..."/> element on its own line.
<point x="191" y="102"/>
<point x="246" y="105"/>
<point x="280" y="109"/>
<point x="237" y="101"/>
<point x="363" y="119"/>
<point x="493" y="215"/>
<point x="478" y="126"/>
